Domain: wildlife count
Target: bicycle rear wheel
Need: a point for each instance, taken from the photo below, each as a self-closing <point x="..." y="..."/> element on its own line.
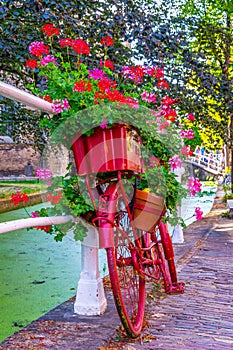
<point x="124" y="263"/>
<point x="163" y="255"/>
<point x="156" y="266"/>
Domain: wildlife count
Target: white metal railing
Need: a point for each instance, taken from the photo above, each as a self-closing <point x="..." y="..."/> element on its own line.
<point x="24" y="97"/>
<point x="31" y="222"/>
<point x="209" y="162"/>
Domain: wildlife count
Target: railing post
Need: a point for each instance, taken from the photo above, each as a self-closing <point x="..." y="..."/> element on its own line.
<point x="177" y="231"/>
<point x="90" y="298"/>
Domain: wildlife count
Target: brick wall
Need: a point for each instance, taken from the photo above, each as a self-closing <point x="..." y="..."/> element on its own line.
<point x="14" y="158"/>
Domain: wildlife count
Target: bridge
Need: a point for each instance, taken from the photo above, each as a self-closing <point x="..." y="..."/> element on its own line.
<point x="208" y="162"/>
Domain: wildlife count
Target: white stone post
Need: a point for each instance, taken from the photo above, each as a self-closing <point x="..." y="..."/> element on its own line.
<point x="90" y="298"/>
<point x="177" y="233"/>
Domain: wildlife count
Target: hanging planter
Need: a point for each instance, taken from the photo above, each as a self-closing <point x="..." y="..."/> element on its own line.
<point x="147" y="211"/>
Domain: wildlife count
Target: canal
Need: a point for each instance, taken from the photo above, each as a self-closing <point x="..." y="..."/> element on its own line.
<point x="36" y="273"/>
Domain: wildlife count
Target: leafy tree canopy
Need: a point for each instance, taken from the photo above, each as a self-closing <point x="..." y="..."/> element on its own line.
<point x="193" y="46"/>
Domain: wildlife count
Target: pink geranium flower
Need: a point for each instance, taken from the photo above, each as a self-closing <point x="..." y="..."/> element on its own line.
<point x="104" y="123"/>
<point x="38" y="48"/>
<point x="65" y="104"/>
<point x="96" y="74"/>
<point x="44" y="174"/>
<point x="188" y="134"/>
<point x="175" y="162"/>
<point x="131" y="102"/>
<point x="35" y="214"/>
<point x="149" y="97"/>
<point x="194" y="185"/>
<point x="198" y="213"/>
<point x="47" y="59"/>
<point x="59" y="106"/>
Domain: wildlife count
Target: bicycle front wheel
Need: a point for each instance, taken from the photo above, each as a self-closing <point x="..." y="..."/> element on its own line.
<point x="124" y="263"/>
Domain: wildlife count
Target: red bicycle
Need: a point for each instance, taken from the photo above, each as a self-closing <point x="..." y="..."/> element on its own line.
<point x="137" y="248"/>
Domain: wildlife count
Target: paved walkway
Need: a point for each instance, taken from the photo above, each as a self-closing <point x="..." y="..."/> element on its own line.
<point x="201" y="318"/>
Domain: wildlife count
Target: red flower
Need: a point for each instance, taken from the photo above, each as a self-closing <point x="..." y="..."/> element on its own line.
<point x="50" y="29"/>
<point x="80" y="46"/>
<point x="106" y="84"/>
<point x="54" y="198"/>
<point x="156" y="72"/>
<point x="191" y="117"/>
<point x="167" y="100"/>
<point x="169" y="113"/>
<point x="187" y="151"/>
<point x="160" y="73"/>
<point x="108" y="64"/>
<point x="110" y="95"/>
<point x="82" y="85"/>
<point x="31" y="64"/>
<point x="163" y="83"/>
<point x="107" y="40"/>
<point x="44" y="228"/>
<point x="99" y="96"/>
<point x="65" y="42"/>
<point x="18" y="197"/>
<point x="47" y="98"/>
<point x="36" y="214"/>
<point x="135" y="73"/>
<point x="115" y="96"/>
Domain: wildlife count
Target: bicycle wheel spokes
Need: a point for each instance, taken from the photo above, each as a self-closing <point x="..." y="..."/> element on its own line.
<point x="128" y="289"/>
<point x="124" y="263"/>
<point x="156" y="269"/>
<point x="165" y="257"/>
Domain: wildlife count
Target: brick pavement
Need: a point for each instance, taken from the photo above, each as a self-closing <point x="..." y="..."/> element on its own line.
<point x="201" y="318"/>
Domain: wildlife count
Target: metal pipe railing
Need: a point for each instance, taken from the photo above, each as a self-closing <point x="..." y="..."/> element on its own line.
<point x="24" y="97"/>
<point x="32" y="222"/>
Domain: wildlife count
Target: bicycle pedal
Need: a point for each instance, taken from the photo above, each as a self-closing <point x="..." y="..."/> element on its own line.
<point x="177" y="288"/>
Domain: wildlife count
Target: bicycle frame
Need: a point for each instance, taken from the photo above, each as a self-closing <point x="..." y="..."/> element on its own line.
<point x="133" y="254"/>
<point x="141" y="255"/>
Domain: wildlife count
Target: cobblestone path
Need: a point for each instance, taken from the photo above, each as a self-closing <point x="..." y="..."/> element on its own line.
<point x="202" y="317"/>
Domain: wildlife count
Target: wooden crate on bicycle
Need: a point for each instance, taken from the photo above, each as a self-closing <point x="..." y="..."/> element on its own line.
<point x="147" y="211"/>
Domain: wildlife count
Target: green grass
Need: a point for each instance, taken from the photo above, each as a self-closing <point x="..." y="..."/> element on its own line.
<point x="18" y="181"/>
<point x="7" y="188"/>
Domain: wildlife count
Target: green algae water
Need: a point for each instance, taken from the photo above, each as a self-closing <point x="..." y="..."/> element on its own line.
<point x="36" y="274"/>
